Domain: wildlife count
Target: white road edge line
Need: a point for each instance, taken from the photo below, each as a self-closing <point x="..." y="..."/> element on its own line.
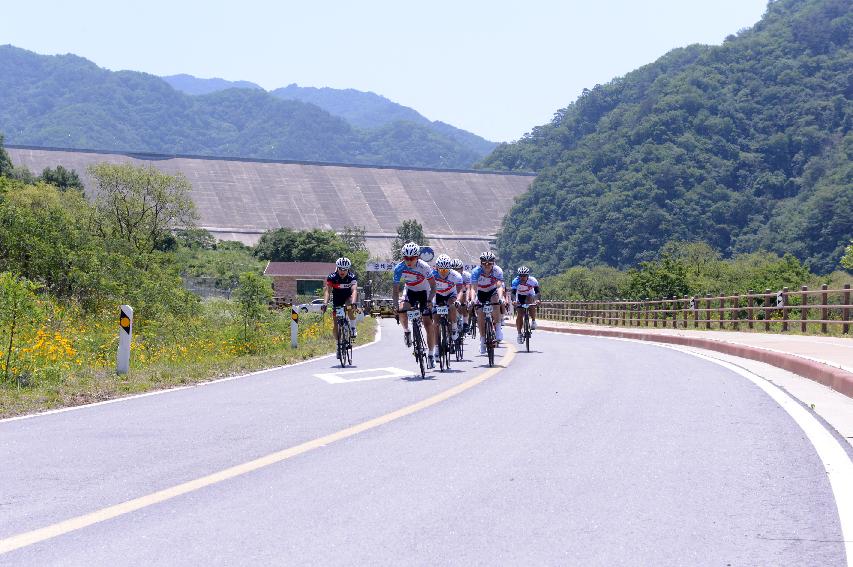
<point x="377" y="337"/>
<point x="836" y="462"/>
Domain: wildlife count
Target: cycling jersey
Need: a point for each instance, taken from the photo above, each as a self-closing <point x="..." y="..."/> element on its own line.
<point x="483" y="282"/>
<point x="530" y="287"/>
<point x="446" y="286"/>
<point x="416" y="278"/>
<point x="341" y="286"/>
<point x="466" y="277"/>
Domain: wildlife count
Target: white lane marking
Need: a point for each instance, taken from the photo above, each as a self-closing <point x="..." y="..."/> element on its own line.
<point x="376" y="339"/>
<point x="347" y="376"/>
<point x="836" y="462"/>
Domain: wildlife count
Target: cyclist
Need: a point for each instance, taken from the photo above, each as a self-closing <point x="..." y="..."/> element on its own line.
<point x="466" y="284"/>
<point x="486" y="283"/>
<point x="448" y="283"/>
<point x="414" y="276"/>
<point x="525" y="290"/>
<point x="343" y="285"/>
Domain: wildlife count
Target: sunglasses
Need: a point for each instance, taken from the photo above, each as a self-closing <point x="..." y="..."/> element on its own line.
<point x="409" y="258"/>
<point x="486" y="263"/>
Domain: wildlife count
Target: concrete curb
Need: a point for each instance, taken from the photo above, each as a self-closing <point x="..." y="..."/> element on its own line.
<point x="834" y="378"/>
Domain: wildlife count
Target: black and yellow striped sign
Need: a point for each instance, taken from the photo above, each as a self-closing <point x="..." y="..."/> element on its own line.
<point x="294" y="314"/>
<point x="124" y="321"/>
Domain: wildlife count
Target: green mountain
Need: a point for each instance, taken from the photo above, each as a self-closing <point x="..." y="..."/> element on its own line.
<point x="67" y="101"/>
<point x="364" y="110"/>
<point x="746" y="145"/>
<point x="369" y="110"/>
<point x="195" y="86"/>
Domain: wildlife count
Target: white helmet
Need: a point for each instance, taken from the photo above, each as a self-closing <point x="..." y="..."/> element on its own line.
<point x="343" y="263"/>
<point x="411" y="249"/>
<point x="487" y="256"/>
<point x="524" y="271"/>
<point x="444" y="262"/>
<point x="457" y="264"/>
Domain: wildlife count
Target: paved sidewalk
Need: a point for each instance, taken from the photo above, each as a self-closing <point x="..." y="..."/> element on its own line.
<point x="828" y="360"/>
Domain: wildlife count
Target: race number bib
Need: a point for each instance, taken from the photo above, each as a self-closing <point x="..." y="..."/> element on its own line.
<point x="414" y="314"/>
<point x="487" y="308"/>
<point x="442" y="310"/>
<point x="339" y="311"/>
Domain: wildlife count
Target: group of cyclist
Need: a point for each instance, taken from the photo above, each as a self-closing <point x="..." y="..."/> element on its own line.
<point x="417" y="285"/>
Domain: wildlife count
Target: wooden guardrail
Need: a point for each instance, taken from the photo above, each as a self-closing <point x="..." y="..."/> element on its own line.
<point x="782" y="311"/>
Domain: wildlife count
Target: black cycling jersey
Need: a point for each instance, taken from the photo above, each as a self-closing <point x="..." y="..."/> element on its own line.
<point x="341" y="286"/>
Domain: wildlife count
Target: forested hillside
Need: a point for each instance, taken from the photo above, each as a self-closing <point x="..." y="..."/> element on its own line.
<point x="68" y="101"/>
<point x="365" y="110"/>
<point x="745" y="146"/>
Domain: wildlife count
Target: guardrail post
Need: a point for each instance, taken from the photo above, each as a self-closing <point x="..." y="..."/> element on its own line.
<point x="735" y="313"/>
<point x="845" y="328"/>
<point x="720" y="313"/>
<point x="654" y="305"/>
<point x="784" y="309"/>
<point x="694" y="305"/>
<point x="823" y="313"/>
<point x="750" y="301"/>
<point x="804" y="308"/>
<point x="767" y="295"/>
<point x="707" y="311"/>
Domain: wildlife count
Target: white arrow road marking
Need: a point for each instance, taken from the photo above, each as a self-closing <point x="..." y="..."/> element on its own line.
<point x="347" y="376"/>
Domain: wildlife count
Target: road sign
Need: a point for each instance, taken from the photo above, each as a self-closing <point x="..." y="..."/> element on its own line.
<point x="381" y="266"/>
<point x="125" y="323"/>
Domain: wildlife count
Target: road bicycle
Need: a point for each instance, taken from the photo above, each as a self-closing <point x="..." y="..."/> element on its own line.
<point x="445" y="341"/>
<point x="526" y="331"/>
<point x="489" y="331"/>
<point x="344" y="337"/>
<point x="459" y="344"/>
<point x="418" y="343"/>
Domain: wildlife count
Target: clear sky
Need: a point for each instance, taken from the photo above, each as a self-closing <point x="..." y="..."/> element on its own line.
<point x="492" y="67"/>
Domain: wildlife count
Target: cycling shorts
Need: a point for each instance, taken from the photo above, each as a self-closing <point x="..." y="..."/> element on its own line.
<point x="445" y="299"/>
<point x="419" y="299"/>
<point x="486" y="296"/>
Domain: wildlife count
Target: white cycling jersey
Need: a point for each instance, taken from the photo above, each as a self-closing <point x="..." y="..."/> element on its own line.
<point x="527" y="288"/>
<point x="487" y="282"/>
<point x="446" y="286"/>
<point x="416" y="278"/>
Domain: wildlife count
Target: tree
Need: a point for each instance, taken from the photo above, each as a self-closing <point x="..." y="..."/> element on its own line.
<point x="353" y="237"/>
<point x="140" y="205"/>
<point x="195" y="238"/>
<point x="18" y="307"/>
<point x="664" y="278"/>
<point x="847" y="259"/>
<point x="5" y="160"/>
<point x="409" y="231"/>
<point x="62" y="178"/>
<point x="288" y="245"/>
<point x="253" y="296"/>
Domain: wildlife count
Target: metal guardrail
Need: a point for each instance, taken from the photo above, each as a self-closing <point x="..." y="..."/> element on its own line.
<point x="770" y="311"/>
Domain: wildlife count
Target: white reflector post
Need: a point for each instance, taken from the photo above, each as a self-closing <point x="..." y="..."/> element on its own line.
<point x="125" y="328"/>
<point x="294" y="326"/>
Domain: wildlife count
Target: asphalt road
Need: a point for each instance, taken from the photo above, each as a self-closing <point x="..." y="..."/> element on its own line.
<point x="587" y="451"/>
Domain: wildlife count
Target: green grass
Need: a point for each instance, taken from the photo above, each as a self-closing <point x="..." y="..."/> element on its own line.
<point x="213" y="354"/>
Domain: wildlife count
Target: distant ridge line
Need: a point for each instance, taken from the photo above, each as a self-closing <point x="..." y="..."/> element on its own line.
<point x="150" y="156"/>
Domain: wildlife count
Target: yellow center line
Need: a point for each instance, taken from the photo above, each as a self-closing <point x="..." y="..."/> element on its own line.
<point x="35" y="536"/>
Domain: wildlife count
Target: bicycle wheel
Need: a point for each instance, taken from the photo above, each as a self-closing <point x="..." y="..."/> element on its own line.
<point x="420" y="350"/>
<point x="445" y="341"/>
<point x="460" y="346"/>
<point x="527" y="330"/>
<point x="343" y="342"/>
<point x="490" y="340"/>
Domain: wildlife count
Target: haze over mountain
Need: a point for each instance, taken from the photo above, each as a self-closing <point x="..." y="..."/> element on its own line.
<point x="68" y="101"/>
<point x="361" y="109"/>
<point x="746" y="146"/>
